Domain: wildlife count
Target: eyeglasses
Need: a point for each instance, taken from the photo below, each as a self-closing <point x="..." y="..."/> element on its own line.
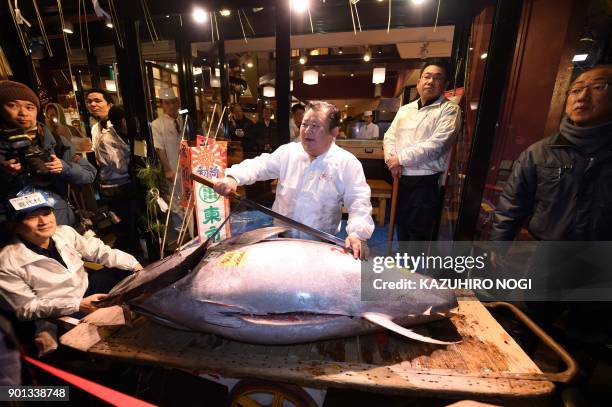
<point x="435" y="78"/>
<point x="597" y="87"/>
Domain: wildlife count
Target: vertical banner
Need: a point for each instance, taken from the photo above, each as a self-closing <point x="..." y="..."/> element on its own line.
<point x="210" y="160"/>
<point x="185" y="166"/>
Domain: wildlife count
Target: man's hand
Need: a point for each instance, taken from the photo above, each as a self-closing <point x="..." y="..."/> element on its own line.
<point x="45" y="343"/>
<point x="137" y="268"/>
<point x="394" y="165"/>
<point x="225" y="186"/>
<point x="87" y="305"/>
<point x="54" y="166"/>
<point x="169" y="175"/>
<point x="13" y="166"/>
<point x="354" y="243"/>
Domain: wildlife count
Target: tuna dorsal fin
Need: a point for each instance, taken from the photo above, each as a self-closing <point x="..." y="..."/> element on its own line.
<point x="385" y="322"/>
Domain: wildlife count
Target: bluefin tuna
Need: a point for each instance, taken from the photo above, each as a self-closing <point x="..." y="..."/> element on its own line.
<point x="256" y="289"/>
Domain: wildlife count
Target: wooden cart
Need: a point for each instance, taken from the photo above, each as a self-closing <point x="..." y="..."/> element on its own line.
<point x="487" y="364"/>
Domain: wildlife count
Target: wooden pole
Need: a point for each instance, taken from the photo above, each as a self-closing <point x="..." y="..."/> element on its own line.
<point x="393" y="209"/>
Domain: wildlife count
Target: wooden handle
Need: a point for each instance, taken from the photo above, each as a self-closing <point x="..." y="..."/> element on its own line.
<point x="209" y="183"/>
<point x="393" y="208"/>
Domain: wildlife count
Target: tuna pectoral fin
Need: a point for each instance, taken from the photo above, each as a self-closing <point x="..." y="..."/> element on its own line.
<point x="385" y="322"/>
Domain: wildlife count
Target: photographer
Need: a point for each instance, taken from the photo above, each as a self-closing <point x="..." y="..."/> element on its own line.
<point x="31" y="158"/>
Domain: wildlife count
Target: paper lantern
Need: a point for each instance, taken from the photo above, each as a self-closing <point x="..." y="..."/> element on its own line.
<point x="311" y="77"/>
<point x="378" y="75"/>
<point x="268" y="91"/>
<point x="111" y="86"/>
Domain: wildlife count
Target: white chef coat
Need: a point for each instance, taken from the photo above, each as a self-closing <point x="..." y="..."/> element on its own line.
<point x="294" y="130"/>
<point x="36" y="286"/>
<point x="313" y="192"/>
<point x="422" y="138"/>
<point x="368" y="132"/>
<point x="167" y="138"/>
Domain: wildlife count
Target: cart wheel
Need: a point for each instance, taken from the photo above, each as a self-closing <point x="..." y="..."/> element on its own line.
<point x="259" y="393"/>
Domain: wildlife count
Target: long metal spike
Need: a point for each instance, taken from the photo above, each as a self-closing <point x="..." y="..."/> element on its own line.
<point x="86" y="25"/>
<point x="352" y="17"/>
<point x="18" y="28"/>
<point x="115" y="19"/>
<point x="389" y="21"/>
<point x="67" y="45"/>
<point x="42" y="28"/>
<point x="212" y="29"/>
<point x="242" y="28"/>
<point x="142" y="6"/>
<point x="248" y="22"/>
<point x="148" y="12"/>
<point x="310" y="18"/>
<point x="437" y="14"/>
<point x="216" y="25"/>
<point x="80" y="25"/>
<point x="357" y="14"/>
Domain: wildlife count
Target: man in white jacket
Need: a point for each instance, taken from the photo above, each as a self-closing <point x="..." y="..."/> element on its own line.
<point x="316" y="178"/>
<point x="417" y="147"/>
<point x="41" y="270"/>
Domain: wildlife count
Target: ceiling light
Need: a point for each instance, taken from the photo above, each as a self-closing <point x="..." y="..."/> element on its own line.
<point x="225" y="12"/>
<point x="167" y="15"/>
<point x="249" y="63"/>
<point x="323" y="74"/>
<point x="303" y="59"/>
<point x="378" y="75"/>
<point x="352" y="74"/>
<point x="310" y="77"/>
<point x="484" y="56"/>
<point x="268" y="91"/>
<point x="367" y="56"/>
<point x="68" y="27"/>
<point x="417" y="2"/>
<point x="580" y="57"/>
<point x="345" y="106"/>
<point x="340" y="51"/>
<point x="299" y="6"/>
<point x="199" y="15"/>
<point x="108" y="23"/>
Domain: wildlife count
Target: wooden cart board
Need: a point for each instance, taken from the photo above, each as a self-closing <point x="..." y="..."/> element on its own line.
<point x="487" y="364"/>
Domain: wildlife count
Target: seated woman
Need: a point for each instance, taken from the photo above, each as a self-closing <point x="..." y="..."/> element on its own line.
<point x="42" y="274"/>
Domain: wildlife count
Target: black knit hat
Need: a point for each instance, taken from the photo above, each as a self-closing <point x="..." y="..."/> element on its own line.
<point x="10" y="90"/>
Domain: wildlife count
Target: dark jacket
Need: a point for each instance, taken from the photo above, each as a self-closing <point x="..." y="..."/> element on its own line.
<point x="76" y="170"/>
<point x="265" y="137"/>
<point x="565" y="194"/>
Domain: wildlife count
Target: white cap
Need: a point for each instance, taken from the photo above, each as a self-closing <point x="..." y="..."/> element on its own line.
<point x="367" y="113"/>
<point x="166" y="94"/>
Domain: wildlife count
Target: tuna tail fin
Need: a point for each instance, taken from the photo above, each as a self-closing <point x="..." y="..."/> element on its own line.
<point x="385" y="322"/>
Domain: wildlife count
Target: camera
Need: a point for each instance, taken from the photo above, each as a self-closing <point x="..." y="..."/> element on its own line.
<point x="31" y="156"/>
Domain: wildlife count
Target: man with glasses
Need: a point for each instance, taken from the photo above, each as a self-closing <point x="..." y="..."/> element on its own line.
<point x="316" y="178"/>
<point x="563" y="183"/>
<point x="417" y="148"/>
<point x="563" y="186"/>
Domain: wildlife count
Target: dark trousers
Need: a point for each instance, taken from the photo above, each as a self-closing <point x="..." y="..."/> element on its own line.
<point x="103" y="280"/>
<point x="418" y="206"/>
